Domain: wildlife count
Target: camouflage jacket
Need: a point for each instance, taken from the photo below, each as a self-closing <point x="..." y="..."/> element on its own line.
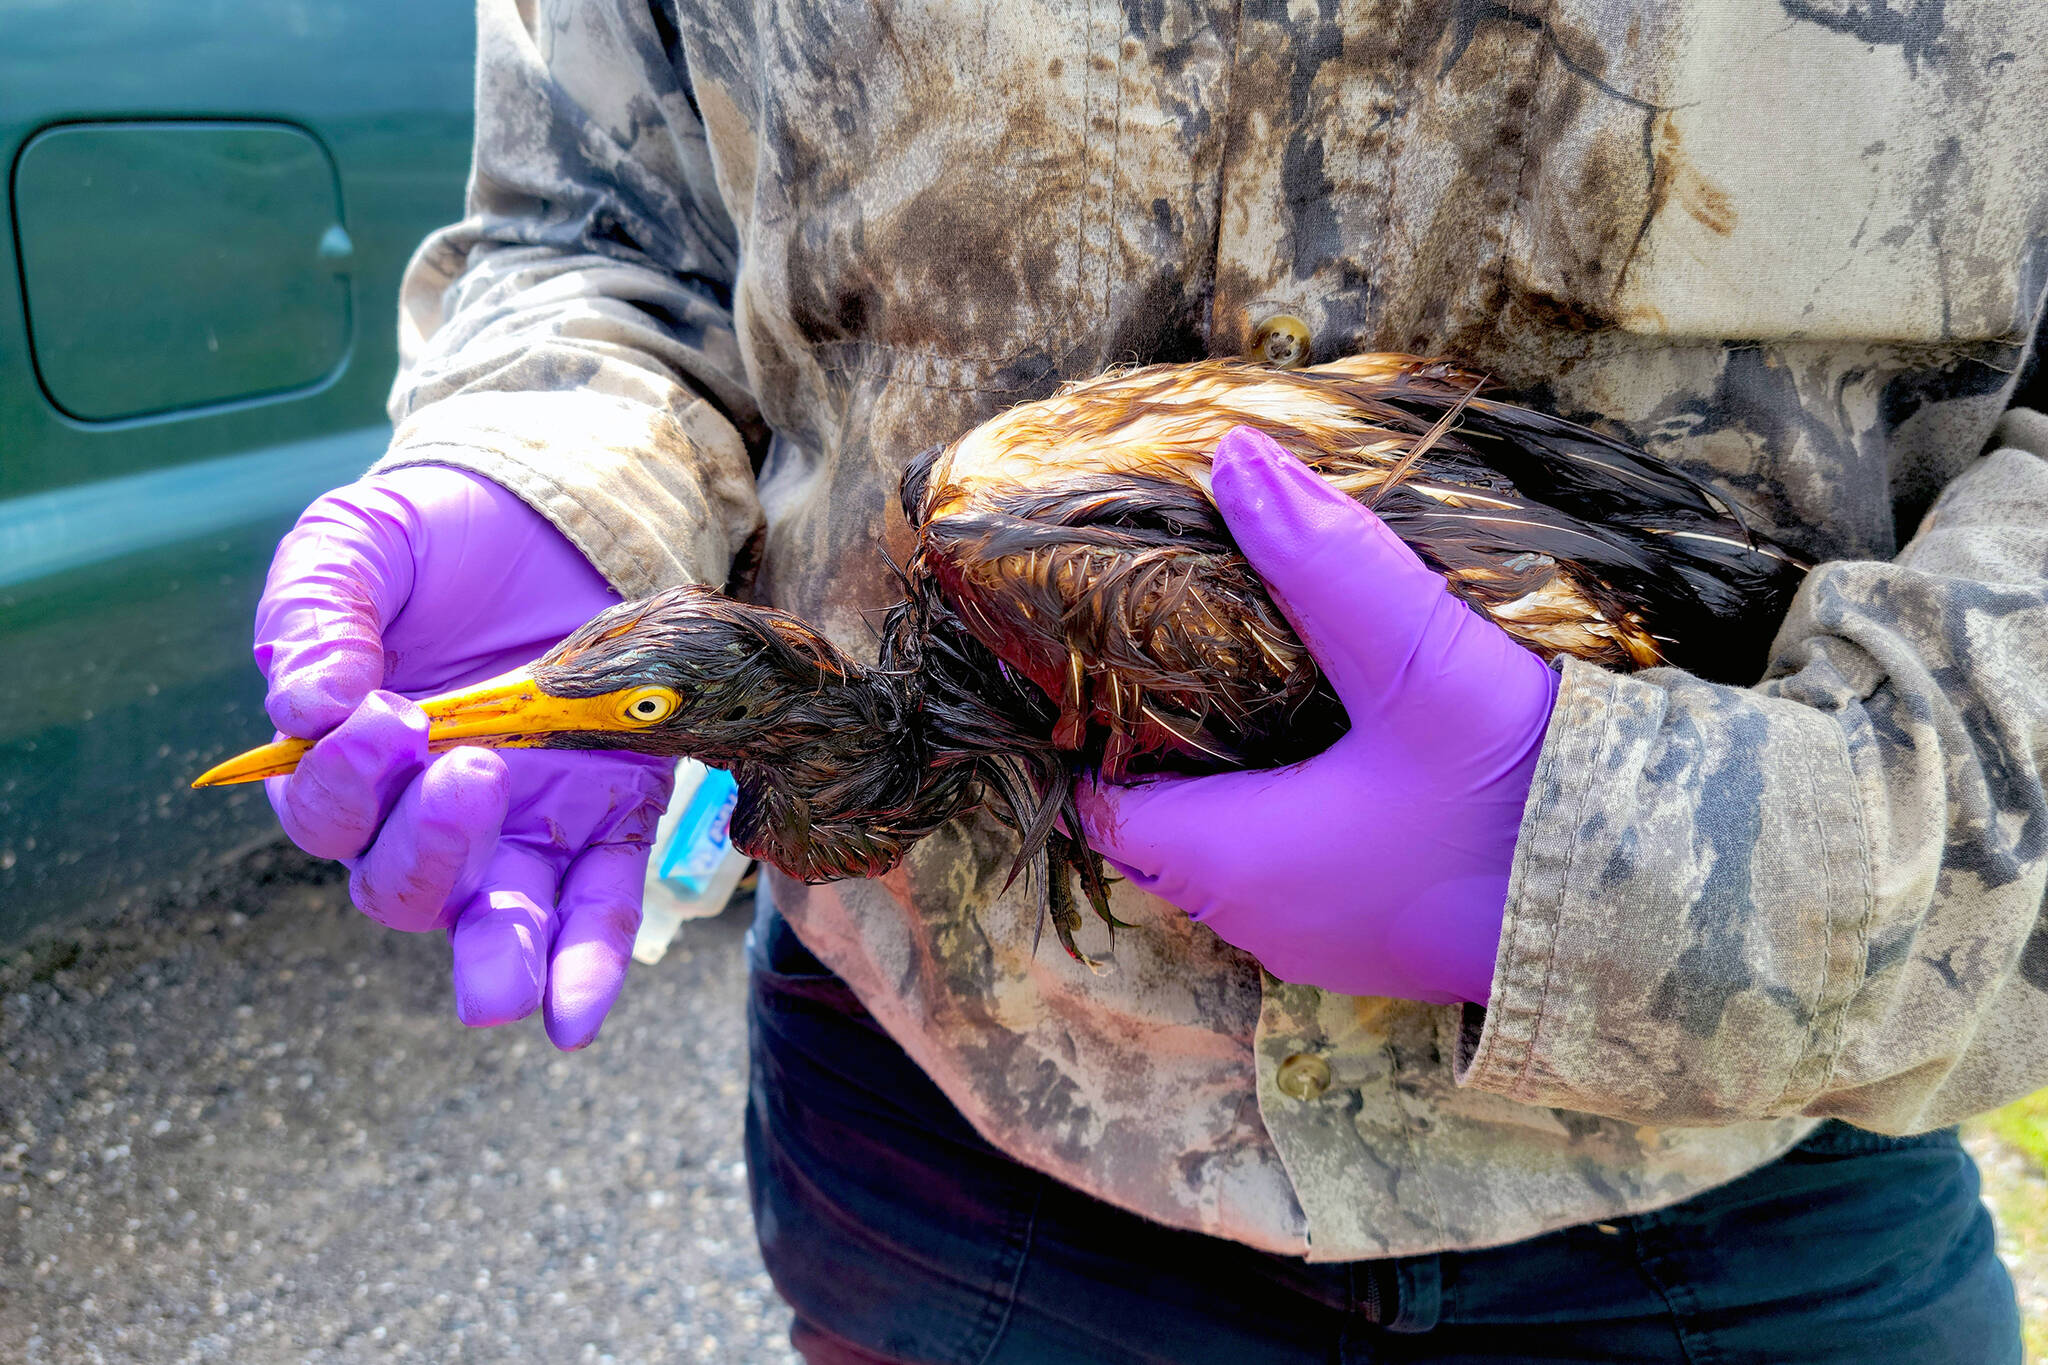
<point x="726" y="269"/>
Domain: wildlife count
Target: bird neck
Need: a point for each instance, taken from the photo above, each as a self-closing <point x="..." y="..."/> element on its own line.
<point x="841" y="766"/>
<point x="844" y="783"/>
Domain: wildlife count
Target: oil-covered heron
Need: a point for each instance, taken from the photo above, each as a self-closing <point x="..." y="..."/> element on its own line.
<point x="1075" y="602"/>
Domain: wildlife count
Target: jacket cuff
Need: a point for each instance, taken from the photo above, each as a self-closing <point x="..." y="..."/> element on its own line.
<point x="652" y="497"/>
<point x="1619" y="926"/>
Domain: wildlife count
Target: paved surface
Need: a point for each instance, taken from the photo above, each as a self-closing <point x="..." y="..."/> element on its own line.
<point x="246" y="1127"/>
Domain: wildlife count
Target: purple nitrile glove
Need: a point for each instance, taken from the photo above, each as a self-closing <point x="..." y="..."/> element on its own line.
<point x="413" y="582"/>
<point x="1380" y="866"/>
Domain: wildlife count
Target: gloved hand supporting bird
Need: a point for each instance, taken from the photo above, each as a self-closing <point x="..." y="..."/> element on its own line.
<point x="1379" y="866"/>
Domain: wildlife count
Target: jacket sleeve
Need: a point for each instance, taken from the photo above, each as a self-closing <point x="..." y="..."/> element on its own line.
<point x="572" y="337"/>
<point x="1818" y="896"/>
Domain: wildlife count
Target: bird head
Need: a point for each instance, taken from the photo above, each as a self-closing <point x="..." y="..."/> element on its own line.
<point x="686" y="671"/>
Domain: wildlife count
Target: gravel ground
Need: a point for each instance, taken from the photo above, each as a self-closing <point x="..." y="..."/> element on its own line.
<point x="243" y="1125"/>
<point x="246" y="1127"/>
<point x="2017" y="1191"/>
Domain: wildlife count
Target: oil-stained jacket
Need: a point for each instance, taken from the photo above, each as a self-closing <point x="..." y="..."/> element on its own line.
<point x="726" y="270"/>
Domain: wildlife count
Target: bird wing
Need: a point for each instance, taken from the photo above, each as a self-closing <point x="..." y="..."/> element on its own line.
<point x="1076" y="538"/>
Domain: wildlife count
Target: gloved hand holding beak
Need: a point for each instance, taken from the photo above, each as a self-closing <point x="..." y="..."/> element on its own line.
<point x="407" y="584"/>
<point x="1380" y="866"/>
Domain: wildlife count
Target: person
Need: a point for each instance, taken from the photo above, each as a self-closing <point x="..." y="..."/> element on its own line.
<point x="1721" y="963"/>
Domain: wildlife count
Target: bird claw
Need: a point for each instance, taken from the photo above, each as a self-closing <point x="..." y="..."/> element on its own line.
<point x="1064" y="930"/>
<point x="1095" y="882"/>
<point x="1063" y="855"/>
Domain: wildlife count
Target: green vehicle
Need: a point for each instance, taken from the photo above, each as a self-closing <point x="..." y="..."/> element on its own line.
<point x="207" y="208"/>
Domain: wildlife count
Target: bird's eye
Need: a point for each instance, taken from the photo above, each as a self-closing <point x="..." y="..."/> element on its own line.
<point x="648" y="706"/>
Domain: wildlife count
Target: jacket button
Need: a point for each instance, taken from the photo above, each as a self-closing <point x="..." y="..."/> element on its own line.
<point x="1281" y="341"/>
<point x="1304" y="1076"/>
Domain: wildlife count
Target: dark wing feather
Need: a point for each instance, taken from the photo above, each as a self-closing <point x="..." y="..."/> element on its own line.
<point x="1712" y="589"/>
<point x="1121" y="597"/>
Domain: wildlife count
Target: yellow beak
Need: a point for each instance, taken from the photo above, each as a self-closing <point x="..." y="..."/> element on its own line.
<point x="506" y="712"/>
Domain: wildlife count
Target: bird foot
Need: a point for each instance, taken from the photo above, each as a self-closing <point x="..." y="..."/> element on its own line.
<point x="1063" y="857"/>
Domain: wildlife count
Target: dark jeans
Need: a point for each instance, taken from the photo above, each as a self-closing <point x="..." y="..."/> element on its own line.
<point x="899" y="1235"/>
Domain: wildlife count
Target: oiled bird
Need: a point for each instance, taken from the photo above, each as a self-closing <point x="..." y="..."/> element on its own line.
<point x="1074" y="602"/>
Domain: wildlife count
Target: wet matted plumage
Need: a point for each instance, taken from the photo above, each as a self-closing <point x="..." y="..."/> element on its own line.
<point x="1074" y="602"/>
